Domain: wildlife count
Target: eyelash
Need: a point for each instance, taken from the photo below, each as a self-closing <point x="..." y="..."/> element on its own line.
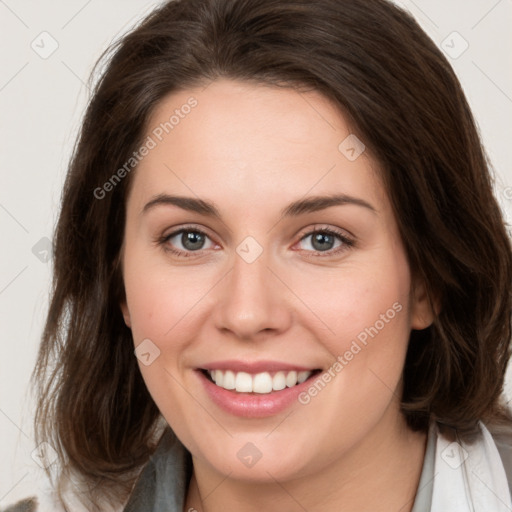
<point x="347" y="242"/>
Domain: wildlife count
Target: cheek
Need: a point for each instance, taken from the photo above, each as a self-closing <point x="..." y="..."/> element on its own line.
<point x="160" y="302"/>
<point x="160" y="299"/>
<point x="366" y="311"/>
<point x="361" y="302"/>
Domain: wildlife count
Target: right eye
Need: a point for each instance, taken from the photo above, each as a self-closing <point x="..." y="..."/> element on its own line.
<point x="191" y="239"/>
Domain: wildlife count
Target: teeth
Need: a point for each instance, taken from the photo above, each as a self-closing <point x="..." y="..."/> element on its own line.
<point x="302" y="376"/>
<point x="291" y="379"/>
<point x="229" y="380"/>
<point x="278" y="381"/>
<point x="243" y="382"/>
<point x="262" y="383"/>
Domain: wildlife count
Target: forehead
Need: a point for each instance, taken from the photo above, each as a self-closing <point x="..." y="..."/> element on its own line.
<point x="245" y="143"/>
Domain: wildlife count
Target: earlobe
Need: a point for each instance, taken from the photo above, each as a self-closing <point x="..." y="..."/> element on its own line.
<point x="423" y="309"/>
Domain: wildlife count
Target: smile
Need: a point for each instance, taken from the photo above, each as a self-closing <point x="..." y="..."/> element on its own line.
<point x="254" y="389"/>
<point x="262" y="383"/>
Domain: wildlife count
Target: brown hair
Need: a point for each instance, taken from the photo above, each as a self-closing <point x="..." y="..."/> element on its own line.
<point x="374" y="61"/>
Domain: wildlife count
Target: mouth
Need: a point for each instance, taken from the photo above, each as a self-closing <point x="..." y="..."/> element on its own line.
<point x="262" y="383"/>
<point x="254" y="389"/>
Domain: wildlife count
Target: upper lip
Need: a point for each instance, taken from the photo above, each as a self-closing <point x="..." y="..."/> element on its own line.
<point x="255" y="366"/>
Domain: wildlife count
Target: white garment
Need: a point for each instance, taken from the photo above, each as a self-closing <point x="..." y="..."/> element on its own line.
<point x="469" y="477"/>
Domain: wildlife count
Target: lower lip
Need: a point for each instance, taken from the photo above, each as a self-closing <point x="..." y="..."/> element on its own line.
<point x="253" y="405"/>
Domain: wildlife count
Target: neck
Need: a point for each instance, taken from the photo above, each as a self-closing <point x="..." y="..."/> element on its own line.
<point x="380" y="473"/>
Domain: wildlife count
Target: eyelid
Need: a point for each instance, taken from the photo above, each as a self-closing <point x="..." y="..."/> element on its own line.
<point x="325" y="227"/>
<point x="170" y="232"/>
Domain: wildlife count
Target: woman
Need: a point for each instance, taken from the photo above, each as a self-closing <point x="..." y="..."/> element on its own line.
<point x="282" y="281"/>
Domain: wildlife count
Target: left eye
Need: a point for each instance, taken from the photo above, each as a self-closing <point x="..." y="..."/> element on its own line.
<point x="323" y="240"/>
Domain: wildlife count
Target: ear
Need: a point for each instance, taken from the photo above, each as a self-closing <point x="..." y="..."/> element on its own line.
<point x="120" y="287"/>
<point x="424" y="309"/>
<point x="126" y="314"/>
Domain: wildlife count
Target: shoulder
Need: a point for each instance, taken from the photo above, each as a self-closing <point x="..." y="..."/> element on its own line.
<point x="39" y="499"/>
<point x="46" y="502"/>
<point x="26" y="505"/>
<point x="44" y="499"/>
<point x="502" y="436"/>
<point x="501" y="432"/>
<point x="42" y="496"/>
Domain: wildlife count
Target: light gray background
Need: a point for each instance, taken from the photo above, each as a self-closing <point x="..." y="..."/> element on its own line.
<point x="41" y="104"/>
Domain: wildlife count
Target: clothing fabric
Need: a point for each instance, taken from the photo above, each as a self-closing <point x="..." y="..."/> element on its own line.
<point x="462" y="477"/>
<point x="457" y="476"/>
<point x="470" y="476"/>
<point x="162" y="486"/>
<point x="423" y="499"/>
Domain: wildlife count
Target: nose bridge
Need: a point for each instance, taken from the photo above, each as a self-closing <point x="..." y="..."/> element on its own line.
<point x="252" y="299"/>
<point x="250" y="275"/>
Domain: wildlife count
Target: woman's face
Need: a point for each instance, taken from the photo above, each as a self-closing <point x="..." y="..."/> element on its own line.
<point x="237" y="182"/>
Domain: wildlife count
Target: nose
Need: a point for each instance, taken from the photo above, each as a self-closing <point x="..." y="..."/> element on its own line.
<point x="252" y="300"/>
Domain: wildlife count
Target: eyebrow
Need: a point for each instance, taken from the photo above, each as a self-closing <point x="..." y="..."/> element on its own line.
<point x="294" y="209"/>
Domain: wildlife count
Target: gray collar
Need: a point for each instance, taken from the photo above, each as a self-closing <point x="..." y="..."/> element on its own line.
<point x="162" y="484"/>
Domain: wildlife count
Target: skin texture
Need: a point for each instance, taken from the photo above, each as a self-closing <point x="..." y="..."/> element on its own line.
<point x="251" y="150"/>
